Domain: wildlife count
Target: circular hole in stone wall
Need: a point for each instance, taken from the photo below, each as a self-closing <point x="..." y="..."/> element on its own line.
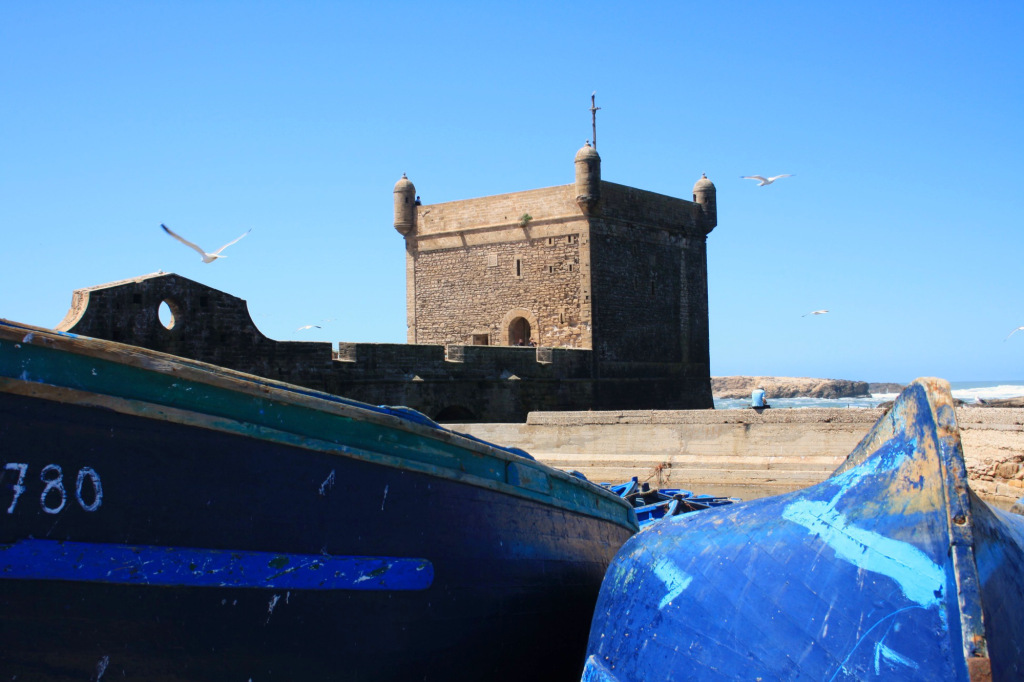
<point x="168" y="313"/>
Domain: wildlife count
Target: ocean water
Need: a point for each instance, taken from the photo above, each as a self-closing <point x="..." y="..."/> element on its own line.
<point x="968" y="391"/>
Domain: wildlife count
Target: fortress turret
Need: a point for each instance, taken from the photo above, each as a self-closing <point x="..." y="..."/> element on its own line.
<point x="405" y="206"/>
<point x="588" y="179"/>
<point x="704" y="194"/>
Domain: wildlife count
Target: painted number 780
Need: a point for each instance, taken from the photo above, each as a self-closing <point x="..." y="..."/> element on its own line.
<point x="54" y="496"/>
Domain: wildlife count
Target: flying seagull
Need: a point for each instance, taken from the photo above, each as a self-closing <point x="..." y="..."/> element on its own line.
<point x="815" y="312"/>
<point x="207" y="257"/>
<point x="762" y="181"/>
<point x="1013" y="332"/>
<point x="309" y="326"/>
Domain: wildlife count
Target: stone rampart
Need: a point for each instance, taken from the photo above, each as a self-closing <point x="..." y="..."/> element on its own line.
<point x="744" y="453"/>
<point x="486" y="383"/>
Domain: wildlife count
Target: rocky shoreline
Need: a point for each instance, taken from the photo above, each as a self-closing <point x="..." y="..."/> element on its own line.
<point x="797" y="387"/>
<point x="806" y="387"/>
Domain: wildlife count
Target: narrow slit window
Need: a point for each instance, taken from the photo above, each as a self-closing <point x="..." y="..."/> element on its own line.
<point x="519" y="267"/>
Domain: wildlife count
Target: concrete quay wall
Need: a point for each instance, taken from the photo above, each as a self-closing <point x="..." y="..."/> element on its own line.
<point x="744" y="453"/>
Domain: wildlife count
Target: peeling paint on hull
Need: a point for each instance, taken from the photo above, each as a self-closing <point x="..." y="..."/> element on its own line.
<point x="890" y="569"/>
<point x="33" y="559"/>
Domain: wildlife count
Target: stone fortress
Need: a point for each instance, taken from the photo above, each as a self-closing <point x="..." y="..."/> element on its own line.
<point x="588" y="296"/>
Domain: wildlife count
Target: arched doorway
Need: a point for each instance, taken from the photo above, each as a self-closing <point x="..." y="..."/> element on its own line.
<point x="455" y="414"/>
<point x="519" y="332"/>
<point x="519" y="324"/>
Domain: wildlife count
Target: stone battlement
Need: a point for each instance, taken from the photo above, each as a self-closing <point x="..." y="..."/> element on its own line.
<point x="453" y="382"/>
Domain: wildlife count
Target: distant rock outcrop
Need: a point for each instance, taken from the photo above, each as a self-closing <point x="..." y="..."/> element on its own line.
<point x="788" y="387"/>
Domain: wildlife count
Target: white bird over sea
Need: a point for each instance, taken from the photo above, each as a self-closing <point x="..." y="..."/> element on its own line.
<point x="207" y="257"/>
<point x="762" y="181"/>
<point x="815" y="312"/>
<point x="1013" y="332"/>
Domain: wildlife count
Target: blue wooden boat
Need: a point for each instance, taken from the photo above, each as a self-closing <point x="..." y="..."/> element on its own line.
<point x="163" y="519"/>
<point x="891" y="569"/>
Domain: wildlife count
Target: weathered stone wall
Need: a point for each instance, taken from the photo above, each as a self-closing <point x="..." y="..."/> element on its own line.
<point x="745" y="453"/>
<point x="490" y="383"/>
<point x="637" y="289"/>
<point x="474" y="266"/>
<point x="481" y="380"/>
<point x="208" y="325"/>
<point x="649" y="284"/>
<point x="474" y="290"/>
<point x="993" y="441"/>
<point x="490" y="219"/>
<point x="630" y="205"/>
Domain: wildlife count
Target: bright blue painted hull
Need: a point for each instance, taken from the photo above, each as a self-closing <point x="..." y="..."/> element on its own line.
<point x="890" y="569"/>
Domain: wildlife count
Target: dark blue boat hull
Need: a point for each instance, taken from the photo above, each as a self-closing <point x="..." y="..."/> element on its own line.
<point x="134" y="545"/>
<point x="191" y="490"/>
<point x="892" y="568"/>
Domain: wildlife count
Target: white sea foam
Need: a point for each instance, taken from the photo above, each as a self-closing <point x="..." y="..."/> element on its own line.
<point x="806" y="403"/>
<point x="967" y="391"/>
<point x="970" y="394"/>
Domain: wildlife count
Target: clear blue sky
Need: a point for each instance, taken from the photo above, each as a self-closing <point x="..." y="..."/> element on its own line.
<point x="903" y="123"/>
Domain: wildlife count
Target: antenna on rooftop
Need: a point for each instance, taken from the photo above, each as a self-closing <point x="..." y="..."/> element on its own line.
<point x="593" y="115"/>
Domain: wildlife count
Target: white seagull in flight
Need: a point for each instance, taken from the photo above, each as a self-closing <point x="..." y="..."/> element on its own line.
<point x="207" y="257"/>
<point x="815" y="312"/>
<point x="762" y="181"/>
<point x="308" y="326"/>
<point x="1013" y="332"/>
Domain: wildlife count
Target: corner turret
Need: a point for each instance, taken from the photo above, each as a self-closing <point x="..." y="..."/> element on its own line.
<point x="704" y="194"/>
<point x="405" y="206"/>
<point x="588" y="179"/>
